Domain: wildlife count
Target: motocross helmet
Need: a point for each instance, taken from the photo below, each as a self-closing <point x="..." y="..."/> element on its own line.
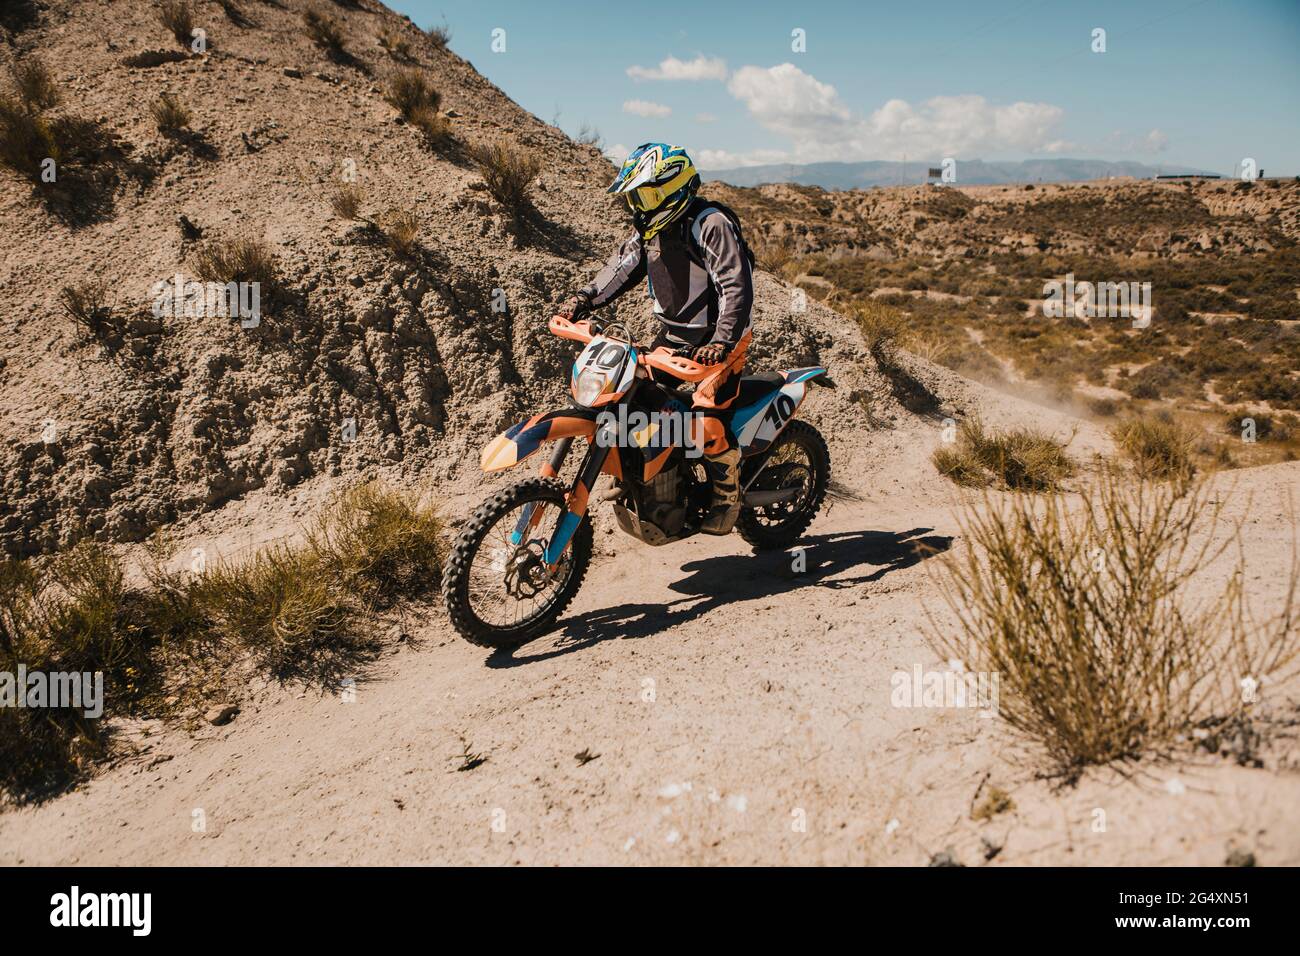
<point x="658" y="181"/>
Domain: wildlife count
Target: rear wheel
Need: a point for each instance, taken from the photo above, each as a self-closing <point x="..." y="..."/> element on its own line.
<point x="498" y="590"/>
<point x="798" y="460"/>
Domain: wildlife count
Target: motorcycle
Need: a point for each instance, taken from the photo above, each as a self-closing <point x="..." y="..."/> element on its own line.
<point x="520" y="558"/>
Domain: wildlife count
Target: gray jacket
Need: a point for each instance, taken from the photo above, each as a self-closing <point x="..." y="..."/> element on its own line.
<point x="697" y="273"/>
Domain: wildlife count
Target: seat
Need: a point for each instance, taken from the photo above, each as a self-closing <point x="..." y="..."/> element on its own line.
<point x="755" y="387"/>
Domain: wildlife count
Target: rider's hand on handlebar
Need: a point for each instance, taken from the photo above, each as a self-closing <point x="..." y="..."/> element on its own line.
<point x="573" y="308"/>
<point x="711" y="354"/>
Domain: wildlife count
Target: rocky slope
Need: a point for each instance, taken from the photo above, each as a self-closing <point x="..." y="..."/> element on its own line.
<point x="180" y="415"/>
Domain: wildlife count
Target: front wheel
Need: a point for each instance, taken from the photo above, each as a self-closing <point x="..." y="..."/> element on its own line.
<point x="799" y="461"/>
<point x="497" y="587"/>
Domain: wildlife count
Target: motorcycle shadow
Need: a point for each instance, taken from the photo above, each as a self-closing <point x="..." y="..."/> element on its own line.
<point x="827" y="560"/>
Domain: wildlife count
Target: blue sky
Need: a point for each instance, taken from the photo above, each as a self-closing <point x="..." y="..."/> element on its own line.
<point x="1196" y="83"/>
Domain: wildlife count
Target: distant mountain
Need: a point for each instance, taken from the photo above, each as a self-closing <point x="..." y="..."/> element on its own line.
<point x="969" y="172"/>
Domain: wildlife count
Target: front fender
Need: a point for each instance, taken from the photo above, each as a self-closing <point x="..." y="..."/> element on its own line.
<point x="519" y="441"/>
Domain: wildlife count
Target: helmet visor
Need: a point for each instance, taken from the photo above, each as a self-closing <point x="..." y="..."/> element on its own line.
<point x="646" y="198"/>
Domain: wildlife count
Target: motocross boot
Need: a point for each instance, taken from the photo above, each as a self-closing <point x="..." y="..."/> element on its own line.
<point x="724" y="508"/>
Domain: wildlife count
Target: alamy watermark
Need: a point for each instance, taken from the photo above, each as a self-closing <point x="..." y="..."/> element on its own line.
<point x="955" y="688"/>
<point x="191" y="299"/>
<point x="637" y="429"/>
<point x="74" y="690"/>
<point x="1065" y="298"/>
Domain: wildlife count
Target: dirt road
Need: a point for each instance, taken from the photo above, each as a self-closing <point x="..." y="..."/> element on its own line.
<point x="734" y="710"/>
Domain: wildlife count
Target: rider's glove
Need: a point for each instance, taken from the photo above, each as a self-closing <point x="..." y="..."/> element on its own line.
<point x="574" y="307"/>
<point x="711" y="354"/>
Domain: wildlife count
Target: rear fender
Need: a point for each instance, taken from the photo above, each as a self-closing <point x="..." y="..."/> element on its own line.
<point x="756" y="426"/>
<point x="523" y="439"/>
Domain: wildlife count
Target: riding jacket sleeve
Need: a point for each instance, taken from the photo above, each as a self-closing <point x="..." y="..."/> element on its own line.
<point x="625" y="269"/>
<point x="731" y="275"/>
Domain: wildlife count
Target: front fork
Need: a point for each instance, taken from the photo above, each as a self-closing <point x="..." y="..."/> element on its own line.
<point x="588" y="473"/>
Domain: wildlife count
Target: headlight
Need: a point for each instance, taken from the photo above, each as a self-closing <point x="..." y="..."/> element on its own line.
<point x="589" y="386"/>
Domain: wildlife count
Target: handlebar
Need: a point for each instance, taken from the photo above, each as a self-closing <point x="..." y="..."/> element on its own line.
<point x="661" y="359"/>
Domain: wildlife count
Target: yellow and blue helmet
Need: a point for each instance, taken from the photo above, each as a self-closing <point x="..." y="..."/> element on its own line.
<point x="658" y="181"/>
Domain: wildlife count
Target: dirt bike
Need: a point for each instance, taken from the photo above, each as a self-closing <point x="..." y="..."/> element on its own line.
<point x="520" y="558"/>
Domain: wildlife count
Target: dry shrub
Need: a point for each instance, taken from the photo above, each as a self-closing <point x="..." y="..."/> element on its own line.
<point x="401" y="228"/>
<point x="73" y="614"/>
<point x="178" y="17"/>
<point x="408" y="90"/>
<point x="280" y="605"/>
<point x="1019" y="458"/>
<point x="380" y="542"/>
<point x="410" y="93"/>
<point x="87" y="304"/>
<point x="169" y="115"/>
<point x="774" y="255"/>
<point x="432" y="124"/>
<point x="1159" y="447"/>
<point x="884" y="330"/>
<point x="397" y="46"/>
<point x="26" y="140"/>
<point x="35" y="84"/>
<point x="346" y="202"/>
<point x="440" y="34"/>
<point x="235" y="14"/>
<point x="508" y="173"/>
<point x="588" y="135"/>
<point x="959" y="464"/>
<point x="325" y="32"/>
<point x="1092" y="618"/>
<point x="237" y="260"/>
<point x="300" y="613"/>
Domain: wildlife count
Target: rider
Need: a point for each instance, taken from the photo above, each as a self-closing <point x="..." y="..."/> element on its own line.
<point x="700" y="278"/>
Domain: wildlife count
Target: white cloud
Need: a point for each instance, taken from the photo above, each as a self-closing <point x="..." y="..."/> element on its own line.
<point x="671" y="68"/>
<point x="1157" y="141"/>
<point x="705" y="118"/>
<point x="616" y="152"/>
<point x="646" y="108"/>
<point x="797" y="106"/>
<point x="725" y="159"/>
<point x="786" y="100"/>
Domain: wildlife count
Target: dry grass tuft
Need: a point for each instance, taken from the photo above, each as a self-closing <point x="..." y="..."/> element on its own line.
<point x="237" y="260"/>
<point x="169" y="115"/>
<point x="509" y="173"/>
<point x="401" y="229"/>
<point x="325" y="32"/>
<point x="74" y="614"/>
<point x="35" y="84"/>
<point x="1019" y="458"/>
<point x="381" y="542"/>
<point x="440" y="34"/>
<point x="26" y="140"/>
<point x="409" y="91"/>
<point x="1159" y="447"/>
<point x="86" y="303"/>
<point x="1089" y="616"/>
<point x="397" y="46"/>
<point x="346" y="202"/>
<point x="297" y="613"/>
<point x="178" y="17"/>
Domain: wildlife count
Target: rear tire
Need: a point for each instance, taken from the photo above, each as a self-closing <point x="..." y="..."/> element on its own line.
<point x="460" y="562"/>
<point x="756" y="525"/>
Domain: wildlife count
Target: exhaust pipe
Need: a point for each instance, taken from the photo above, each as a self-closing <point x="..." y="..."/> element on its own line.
<point x="761" y="499"/>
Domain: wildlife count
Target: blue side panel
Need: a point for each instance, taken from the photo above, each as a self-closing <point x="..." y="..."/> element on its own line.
<point x="741" y="416"/>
